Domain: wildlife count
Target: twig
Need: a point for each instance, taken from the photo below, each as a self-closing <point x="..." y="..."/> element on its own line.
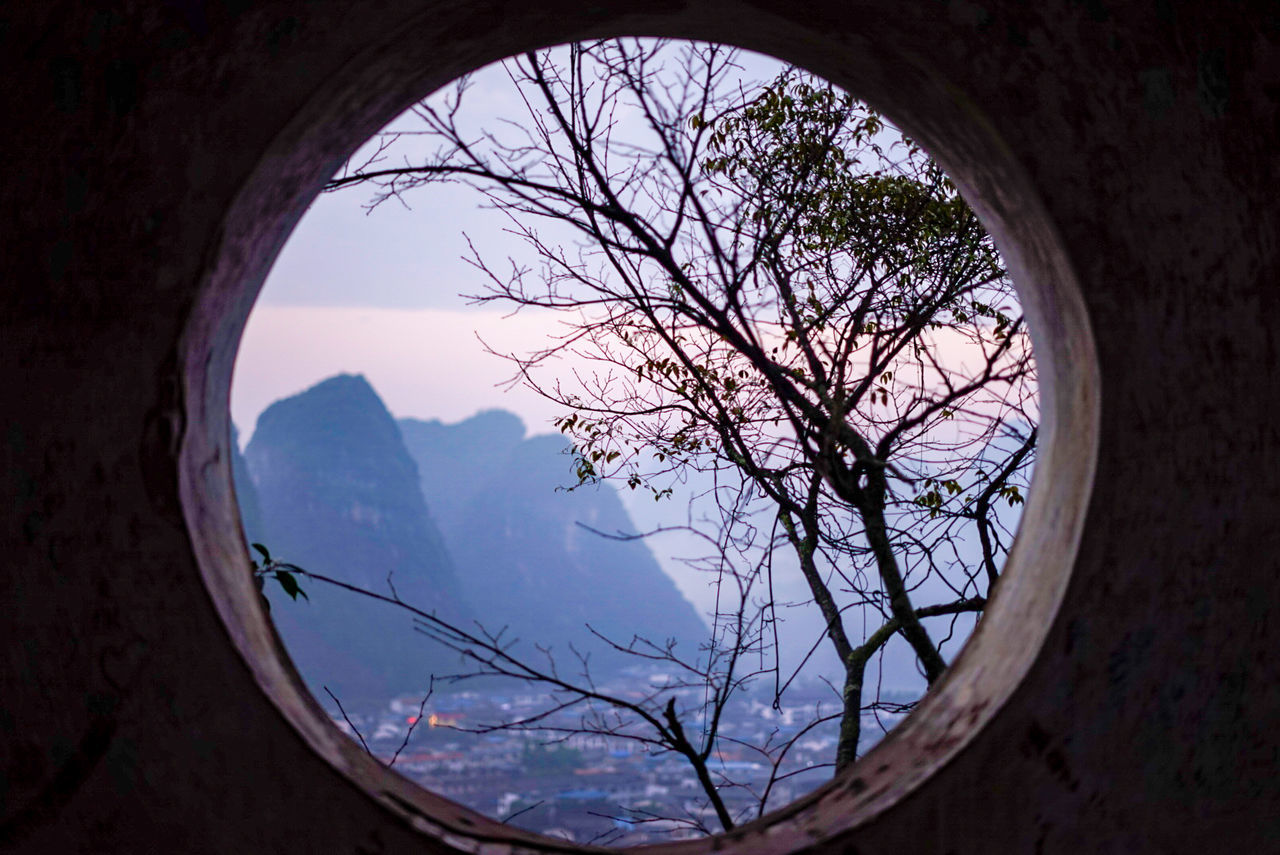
<point x="350" y="724"/>
<point x="431" y="687"/>
<point x="523" y="810"/>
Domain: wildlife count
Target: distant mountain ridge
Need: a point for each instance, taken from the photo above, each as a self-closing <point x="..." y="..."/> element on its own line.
<point x="465" y="518"/>
<point x="507" y="518"/>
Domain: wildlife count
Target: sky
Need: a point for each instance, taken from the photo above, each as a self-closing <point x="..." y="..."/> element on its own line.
<point x="378" y="292"/>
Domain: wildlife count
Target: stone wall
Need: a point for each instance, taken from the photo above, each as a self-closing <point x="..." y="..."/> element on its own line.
<point x="1122" y="694"/>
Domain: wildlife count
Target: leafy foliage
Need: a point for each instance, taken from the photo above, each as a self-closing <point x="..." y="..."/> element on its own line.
<point x="284" y="574"/>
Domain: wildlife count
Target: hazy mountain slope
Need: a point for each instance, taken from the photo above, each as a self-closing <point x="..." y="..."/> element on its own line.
<point x="339" y="495"/>
<point x="246" y="493"/>
<point x="520" y="550"/>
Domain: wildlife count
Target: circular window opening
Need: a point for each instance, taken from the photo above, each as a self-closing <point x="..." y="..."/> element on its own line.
<point x="774" y="421"/>
<point x="956" y="708"/>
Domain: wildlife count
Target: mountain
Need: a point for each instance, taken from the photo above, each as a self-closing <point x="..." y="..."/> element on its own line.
<point x="338" y="494"/>
<point x="246" y="493"/>
<point x="457" y="514"/>
<point x="522" y="549"/>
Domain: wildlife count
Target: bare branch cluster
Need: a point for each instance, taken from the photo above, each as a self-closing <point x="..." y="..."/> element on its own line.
<point x="768" y="288"/>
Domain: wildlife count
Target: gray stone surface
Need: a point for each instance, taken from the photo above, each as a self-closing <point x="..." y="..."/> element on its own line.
<point x="1120" y="696"/>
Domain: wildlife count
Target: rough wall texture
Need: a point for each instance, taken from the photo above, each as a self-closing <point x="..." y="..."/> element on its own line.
<point x="155" y="158"/>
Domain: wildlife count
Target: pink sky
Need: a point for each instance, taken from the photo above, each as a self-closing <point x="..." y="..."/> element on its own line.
<point x="425" y="363"/>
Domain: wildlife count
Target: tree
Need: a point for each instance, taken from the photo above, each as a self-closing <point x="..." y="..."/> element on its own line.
<point x="778" y="291"/>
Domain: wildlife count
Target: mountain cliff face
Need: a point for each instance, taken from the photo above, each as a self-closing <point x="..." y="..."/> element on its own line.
<point x="338" y="494"/>
<point x="332" y="483"/>
<point x="521" y="547"/>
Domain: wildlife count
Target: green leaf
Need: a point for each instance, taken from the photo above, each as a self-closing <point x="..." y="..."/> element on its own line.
<point x="290" y="584"/>
<point x="266" y="554"/>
